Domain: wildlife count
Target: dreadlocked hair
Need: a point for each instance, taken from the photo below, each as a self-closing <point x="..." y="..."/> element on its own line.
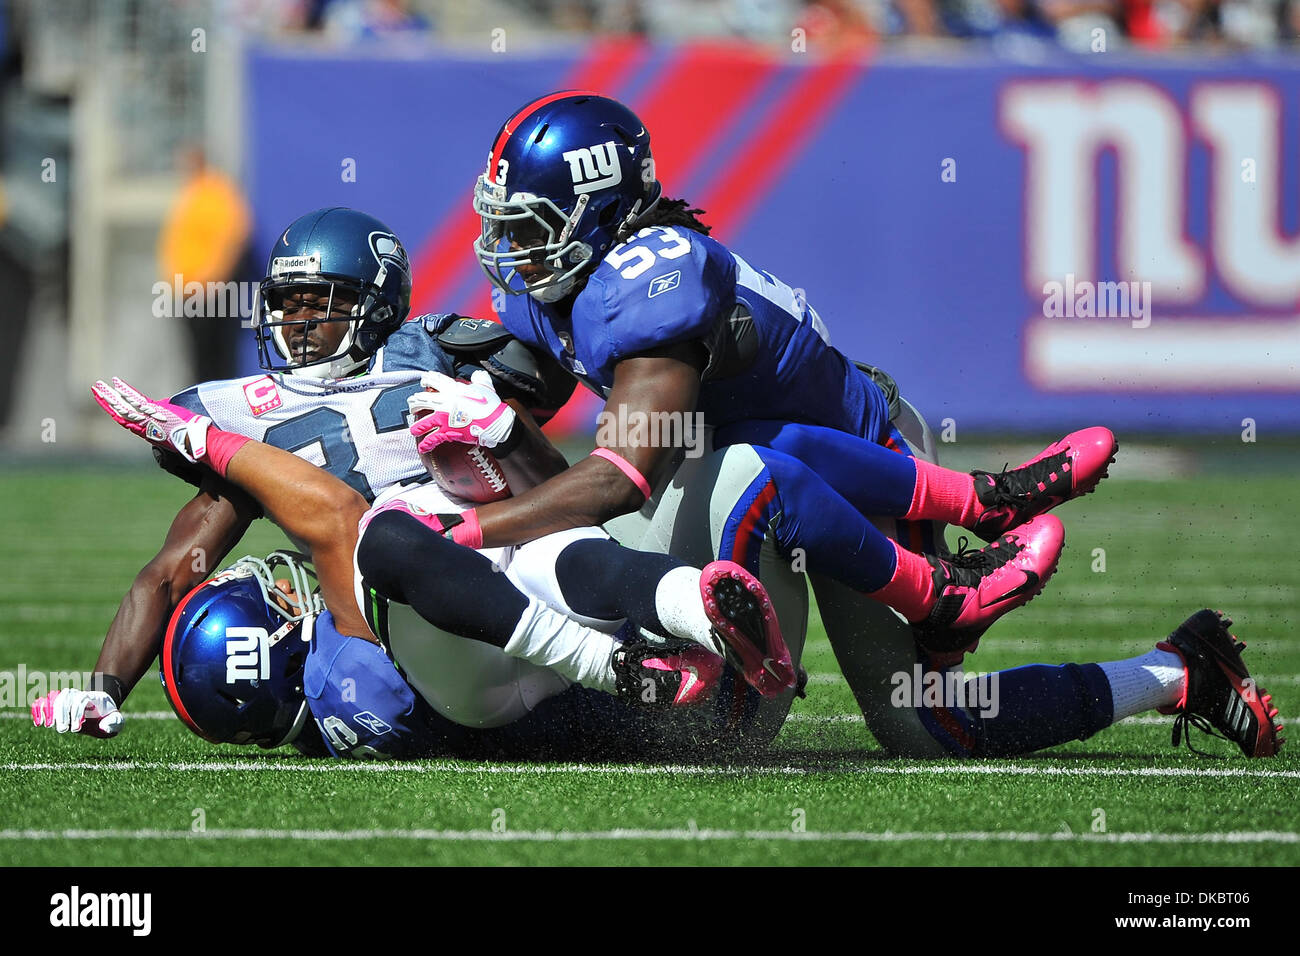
<point x="675" y="212"/>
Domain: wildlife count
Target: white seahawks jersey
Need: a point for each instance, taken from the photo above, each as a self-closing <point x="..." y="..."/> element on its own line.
<point x="354" y="428"/>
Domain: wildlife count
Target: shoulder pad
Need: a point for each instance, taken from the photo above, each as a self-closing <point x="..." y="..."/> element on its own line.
<point x="473" y="335"/>
<point x="537" y="380"/>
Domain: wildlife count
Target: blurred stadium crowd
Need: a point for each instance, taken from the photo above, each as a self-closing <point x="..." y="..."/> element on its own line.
<point x="1151" y="24"/>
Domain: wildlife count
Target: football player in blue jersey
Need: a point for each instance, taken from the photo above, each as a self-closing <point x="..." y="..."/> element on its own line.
<point x="252" y="656"/>
<point x="336" y="297"/>
<point x="626" y="291"/>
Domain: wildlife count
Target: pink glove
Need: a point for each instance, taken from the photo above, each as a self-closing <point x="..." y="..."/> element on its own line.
<point x="168" y="426"/>
<point x="157" y="422"/>
<point x="470" y="413"/>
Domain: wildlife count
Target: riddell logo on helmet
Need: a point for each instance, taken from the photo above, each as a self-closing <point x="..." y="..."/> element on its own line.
<point x="594" y="167"/>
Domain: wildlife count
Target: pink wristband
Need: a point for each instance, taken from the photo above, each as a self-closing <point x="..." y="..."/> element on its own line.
<point x="469" y="532"/>
<point x="222" y="447"/>
<point x="625" y="466"/>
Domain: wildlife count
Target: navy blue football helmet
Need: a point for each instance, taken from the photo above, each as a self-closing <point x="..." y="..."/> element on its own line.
<point x="568" y="177"/>
<point x="233" y="654"/>
<point x="327" y="252"/>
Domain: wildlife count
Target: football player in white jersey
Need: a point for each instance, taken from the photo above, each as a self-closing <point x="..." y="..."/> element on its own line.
<point x="338" y="293"/>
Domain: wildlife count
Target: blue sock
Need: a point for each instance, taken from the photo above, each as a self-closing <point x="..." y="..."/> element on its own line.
<point x="1024" y="709"/>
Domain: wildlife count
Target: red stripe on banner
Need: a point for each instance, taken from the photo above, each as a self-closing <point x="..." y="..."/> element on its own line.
<point x="797" y="118"/>
<point x="740" y="547"/>
<point x="685" y="126"/>
<point x="446" y="258"/>
<point x="577" y="415"/>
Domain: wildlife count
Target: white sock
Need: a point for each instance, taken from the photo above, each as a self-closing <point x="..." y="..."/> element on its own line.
<point x="1144" y="683"/>
<point x="681" y="610"/>
<point x="549" y="639"/>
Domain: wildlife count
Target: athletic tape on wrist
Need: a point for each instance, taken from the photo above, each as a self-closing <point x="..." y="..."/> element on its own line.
<point x="625" y="466"/>
<point x="469" y="532"/>
<point x="222" y="446"/>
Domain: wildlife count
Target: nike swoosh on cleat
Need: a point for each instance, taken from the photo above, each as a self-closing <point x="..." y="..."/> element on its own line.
<point x="1031" y="582"/>
<point x="690" y="677"/>
<point x="767" y="666"/>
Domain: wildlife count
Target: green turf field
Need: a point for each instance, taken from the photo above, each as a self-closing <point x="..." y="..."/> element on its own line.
<point x="75" y="538"/>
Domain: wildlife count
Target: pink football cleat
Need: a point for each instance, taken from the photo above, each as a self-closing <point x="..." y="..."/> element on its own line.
<point x="742" y="615"/>
<point x="1067" y="469"/>
<point x="662" y="674"/>
<point x="975" y="588"/>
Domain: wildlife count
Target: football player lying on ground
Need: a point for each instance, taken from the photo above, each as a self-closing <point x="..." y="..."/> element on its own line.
<point x="1197" y="674"/>
<point x="251" y="656"/>
<point x="335" y="301"/>
<point x="594" y="581"/>
<point x="919" y="703"/>
<point x="626" y="292"/>
<point x="630" y="295"/>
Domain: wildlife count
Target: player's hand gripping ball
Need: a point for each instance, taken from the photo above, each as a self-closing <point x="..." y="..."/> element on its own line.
<point x="456" y="422"/>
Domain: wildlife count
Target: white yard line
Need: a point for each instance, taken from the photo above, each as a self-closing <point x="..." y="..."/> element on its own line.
<point x="271" y="765"/>
<point x="689" y="834"/>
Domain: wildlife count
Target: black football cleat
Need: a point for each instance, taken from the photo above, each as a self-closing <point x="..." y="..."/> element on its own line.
<point x="1219" y="694"/>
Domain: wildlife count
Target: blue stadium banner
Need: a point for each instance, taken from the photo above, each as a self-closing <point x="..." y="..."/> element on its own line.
<point x="1108" y="240"/>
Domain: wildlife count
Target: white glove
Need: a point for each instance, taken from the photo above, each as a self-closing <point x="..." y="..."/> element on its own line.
<point x="468" y="412"/>
<point x="89" y="712"/>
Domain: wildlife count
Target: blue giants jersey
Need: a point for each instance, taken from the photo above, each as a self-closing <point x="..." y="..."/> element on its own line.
<point x="770" y="356"/>
<point x="363" y="706"/>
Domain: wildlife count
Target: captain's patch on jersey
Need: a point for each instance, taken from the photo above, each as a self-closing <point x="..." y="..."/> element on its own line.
<point x="263" y="395"/>
<point x="665" y="283"/>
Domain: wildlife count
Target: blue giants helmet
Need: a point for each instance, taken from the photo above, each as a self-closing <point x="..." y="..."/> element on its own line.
<point x="568" y="177"/>
<point x="326" y="252"/>
<point x="233" y="654"/>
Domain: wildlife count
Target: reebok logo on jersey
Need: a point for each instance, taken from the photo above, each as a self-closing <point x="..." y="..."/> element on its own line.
<point x="372" y="723"/>
<point x="594" y="167"/>
<point x="262" y="395"/>
<point x="665" y="283"/>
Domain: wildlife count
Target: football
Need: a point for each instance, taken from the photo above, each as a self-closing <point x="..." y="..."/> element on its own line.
<point x="467" y="471"/>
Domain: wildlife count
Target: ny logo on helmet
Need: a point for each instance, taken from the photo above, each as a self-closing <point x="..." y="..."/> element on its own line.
<point x="594" y="167"/>
<point x="248" y="654"/>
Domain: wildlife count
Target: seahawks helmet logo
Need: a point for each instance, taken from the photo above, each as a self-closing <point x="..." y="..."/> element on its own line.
<point x="388" y="251"/>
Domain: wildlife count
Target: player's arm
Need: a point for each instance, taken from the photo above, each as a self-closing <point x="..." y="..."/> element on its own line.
<point x="201" y="535"/>
<point x="314" y="507"/>
<point x="528" y="458"/>
<point x="307" y="502"/>
<point x="597" y="489"/>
